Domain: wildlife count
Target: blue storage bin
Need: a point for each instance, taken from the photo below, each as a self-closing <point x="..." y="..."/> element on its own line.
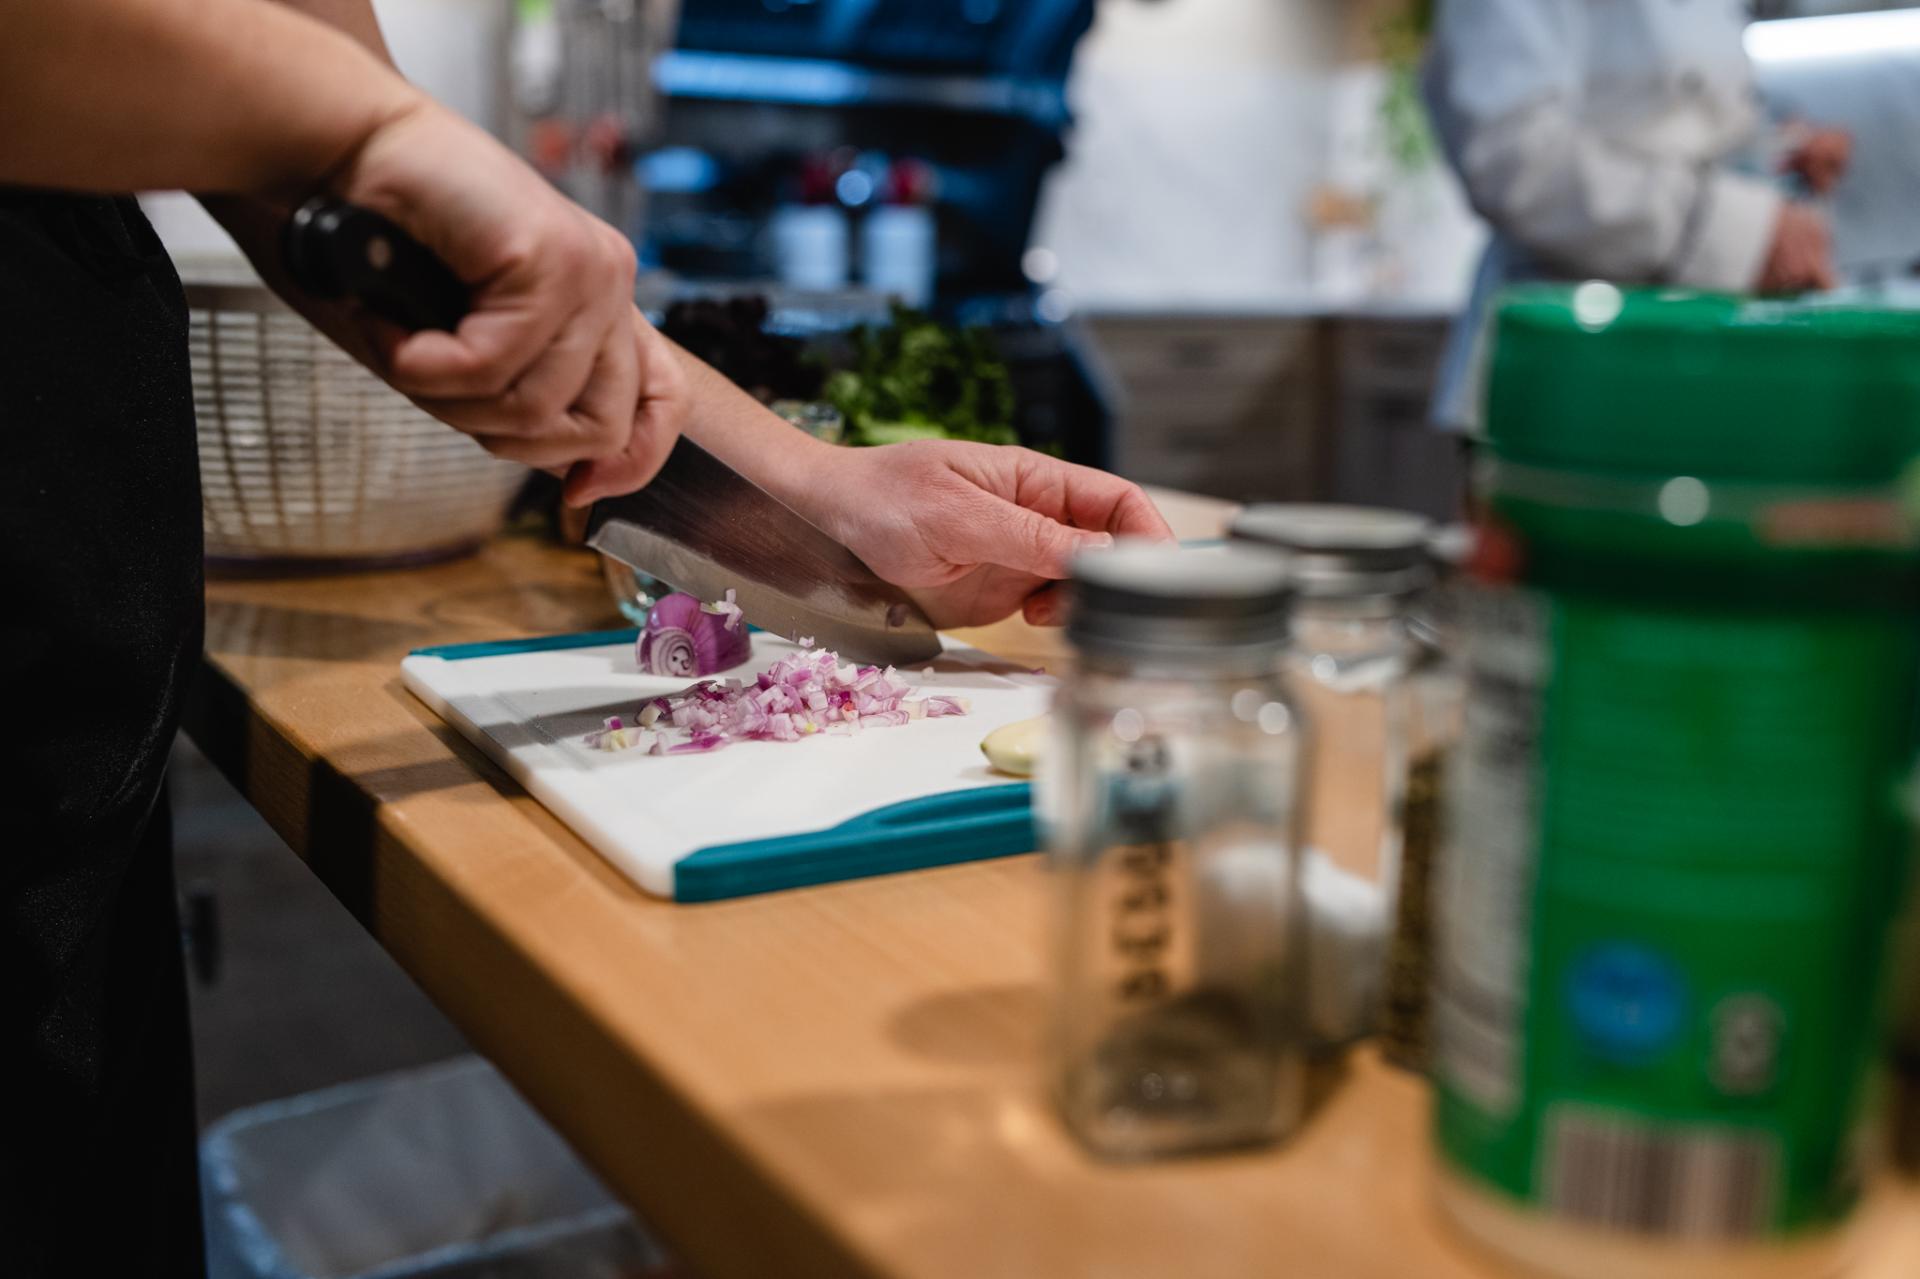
<point x="442" y="1172"/>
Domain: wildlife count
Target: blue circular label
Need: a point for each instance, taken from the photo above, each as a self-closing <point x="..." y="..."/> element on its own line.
<point x="1626" y="1000"/>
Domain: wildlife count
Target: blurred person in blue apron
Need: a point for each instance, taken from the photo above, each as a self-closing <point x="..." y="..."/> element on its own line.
<point x="1620" y="140"/>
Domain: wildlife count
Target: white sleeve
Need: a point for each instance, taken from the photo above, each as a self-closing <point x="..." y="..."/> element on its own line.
<point x="1733" y="229"/>
<point x="1507" y="82"/>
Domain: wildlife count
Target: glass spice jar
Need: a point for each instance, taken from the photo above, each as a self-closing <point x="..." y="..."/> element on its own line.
<point x="1169" y="802"/>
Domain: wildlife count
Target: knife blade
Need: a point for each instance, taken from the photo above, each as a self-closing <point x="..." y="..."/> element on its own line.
<point x="706" y="529"/>
<point x="699" y="524"/>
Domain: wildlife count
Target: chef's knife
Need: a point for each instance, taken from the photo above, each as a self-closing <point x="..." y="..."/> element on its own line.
<point x="334" y="250"/>
<point x="698" y="525"/>
<point x="707" y="530"/>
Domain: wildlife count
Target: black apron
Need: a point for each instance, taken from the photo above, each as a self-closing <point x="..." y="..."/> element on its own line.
<point x="100" y="626"/>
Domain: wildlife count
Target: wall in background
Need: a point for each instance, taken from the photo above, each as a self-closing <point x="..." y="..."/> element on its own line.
<point x="454" y="49"/>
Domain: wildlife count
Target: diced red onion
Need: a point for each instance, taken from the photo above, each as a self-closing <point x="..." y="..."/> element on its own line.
<point x="729" y="610"/>
<point x="686" y="639"/>
<point x="613" y="737"/>
<point x="801" y="695"/>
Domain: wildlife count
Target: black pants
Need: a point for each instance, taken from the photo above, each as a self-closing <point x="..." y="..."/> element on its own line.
<point x="100" y="617"/>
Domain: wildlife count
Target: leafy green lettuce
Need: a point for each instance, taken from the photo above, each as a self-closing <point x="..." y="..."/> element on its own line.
<point x="920" y="380"/>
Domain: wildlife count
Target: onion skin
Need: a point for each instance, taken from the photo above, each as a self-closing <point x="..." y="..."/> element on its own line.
<point x="685" y="640"/>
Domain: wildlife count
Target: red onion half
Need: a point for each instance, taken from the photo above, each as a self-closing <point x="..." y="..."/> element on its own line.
<point x="687" y="639"/>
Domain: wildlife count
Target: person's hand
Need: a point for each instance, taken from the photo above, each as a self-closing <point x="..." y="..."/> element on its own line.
<point x="1801" y="255"/>
<point x="1820" y="157"/>
<point x="553" y="367"/>
<point x="974" y="532"/>
<point x="659" y="410"/>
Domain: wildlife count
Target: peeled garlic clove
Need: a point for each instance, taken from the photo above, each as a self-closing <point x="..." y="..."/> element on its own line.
<point x="1013" y="748"/>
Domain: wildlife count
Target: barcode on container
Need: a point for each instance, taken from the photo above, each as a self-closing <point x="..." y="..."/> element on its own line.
<point x="1690" y="1182"/>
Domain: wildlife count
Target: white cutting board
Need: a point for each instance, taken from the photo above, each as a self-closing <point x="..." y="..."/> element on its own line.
<point x="755" y="815"/>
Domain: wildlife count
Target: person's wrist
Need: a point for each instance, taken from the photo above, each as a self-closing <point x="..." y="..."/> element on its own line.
<point x="366" y="95"/>
<point x="400" y="109"/>
<point x="805" y="472"/>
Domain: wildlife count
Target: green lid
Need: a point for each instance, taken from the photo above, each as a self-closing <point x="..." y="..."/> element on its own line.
<point x="1591" y="377"/>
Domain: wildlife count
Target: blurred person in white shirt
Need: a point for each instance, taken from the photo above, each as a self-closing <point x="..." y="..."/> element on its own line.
<point x="1616" y="140"/>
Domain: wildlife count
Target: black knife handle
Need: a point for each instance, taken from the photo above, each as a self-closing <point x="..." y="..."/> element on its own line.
<point x="338" y="250"/>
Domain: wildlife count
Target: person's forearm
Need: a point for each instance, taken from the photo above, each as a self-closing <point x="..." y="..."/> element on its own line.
<point x="750" y="438"/>
<point x="355" y="18"/>
<point x="257" y="225"/>
<point x="207" y="95"/>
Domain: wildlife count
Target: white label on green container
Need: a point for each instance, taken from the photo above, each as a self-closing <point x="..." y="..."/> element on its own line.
<point x="1485" y="894"/>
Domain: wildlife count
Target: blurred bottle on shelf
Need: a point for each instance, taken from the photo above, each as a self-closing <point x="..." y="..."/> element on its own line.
<point x="899" y="249"/>
<point x="812" y="239"/>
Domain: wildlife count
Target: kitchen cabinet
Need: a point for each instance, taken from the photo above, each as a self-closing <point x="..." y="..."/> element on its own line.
<point x="1226" y="406"/>
<point x="1384" y="449"/>
<point x="1300" y="407"/>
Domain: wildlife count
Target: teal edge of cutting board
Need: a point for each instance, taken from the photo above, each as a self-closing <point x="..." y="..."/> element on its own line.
<point x="936" y="830"/>
<point x="544" y="644"/>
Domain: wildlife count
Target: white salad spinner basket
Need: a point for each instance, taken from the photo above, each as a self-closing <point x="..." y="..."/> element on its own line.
<point x="309" y="461"/>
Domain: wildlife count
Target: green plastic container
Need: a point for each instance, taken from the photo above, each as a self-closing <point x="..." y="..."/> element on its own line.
<point x="1680" y="828"/>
